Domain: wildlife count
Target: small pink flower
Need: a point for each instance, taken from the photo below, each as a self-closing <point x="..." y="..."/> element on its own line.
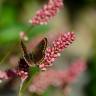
<point x="57" y="47"/>
<point x="23" y="75"/>
<point x="57" y="78"/>
<point x="3" y="76"/>
<point x="47" y="12"/>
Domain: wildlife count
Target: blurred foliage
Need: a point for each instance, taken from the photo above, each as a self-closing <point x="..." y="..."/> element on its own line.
<point x="11" y="34"/>
<point x="91" y="87"/>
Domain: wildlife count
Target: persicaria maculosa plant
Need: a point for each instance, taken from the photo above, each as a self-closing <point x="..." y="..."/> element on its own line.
<point x="42" y="56"/>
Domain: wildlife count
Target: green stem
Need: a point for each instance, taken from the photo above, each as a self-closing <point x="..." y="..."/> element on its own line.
<point x="27" y="84"/>
<point x="20" y="90"/>
<point x="23" y="86"/>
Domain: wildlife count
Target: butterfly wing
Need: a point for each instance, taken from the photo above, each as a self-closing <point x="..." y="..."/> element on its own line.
<point x="26" y="56"/>
<point x="39" y="51"/>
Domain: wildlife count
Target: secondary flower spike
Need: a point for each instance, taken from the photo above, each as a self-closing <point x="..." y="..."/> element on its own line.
<point x="62" y="42"/>
<point x="47" y="12"/>
<point x="59" y="79"/>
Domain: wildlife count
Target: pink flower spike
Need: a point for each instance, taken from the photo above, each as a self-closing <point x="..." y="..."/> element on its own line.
<point x="47" y="12"/>
<point x="57" y="47"/>
<point x="76" y="68"/>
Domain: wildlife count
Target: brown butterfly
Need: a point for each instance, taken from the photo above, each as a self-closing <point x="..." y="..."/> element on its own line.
<point x="37" y="55"/>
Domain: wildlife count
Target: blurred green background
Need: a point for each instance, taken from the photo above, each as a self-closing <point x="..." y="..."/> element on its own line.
<point x="77" y="15"/>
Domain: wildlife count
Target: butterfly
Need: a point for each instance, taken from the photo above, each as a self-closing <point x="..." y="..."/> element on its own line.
<point x="37" y="55"/>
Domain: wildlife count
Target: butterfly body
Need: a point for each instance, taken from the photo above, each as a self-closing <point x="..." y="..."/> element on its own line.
<point x="23" y="66"/>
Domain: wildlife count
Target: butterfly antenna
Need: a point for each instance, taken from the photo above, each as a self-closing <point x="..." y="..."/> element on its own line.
<point x="23" y="47"/>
